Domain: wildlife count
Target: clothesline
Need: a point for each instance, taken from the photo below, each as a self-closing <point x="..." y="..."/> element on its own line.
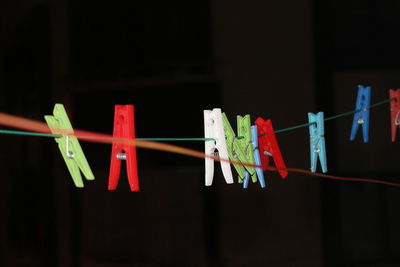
<point x="64" y="134"/>
<point x="28" y="133"/>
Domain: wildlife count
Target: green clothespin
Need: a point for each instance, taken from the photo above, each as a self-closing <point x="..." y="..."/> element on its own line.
<point x="69" y="145"/>
<point x="244" y="129"/>
<point x="240" y="149"/>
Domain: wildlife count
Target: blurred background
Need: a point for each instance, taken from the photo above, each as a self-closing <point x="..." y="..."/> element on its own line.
<point x="173" y="59"/>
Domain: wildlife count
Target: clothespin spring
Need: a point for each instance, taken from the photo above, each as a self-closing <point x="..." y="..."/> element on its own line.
<point x="360" y="119"/>
<point x="396" y="120"/>
<point x="235" y="155"/>
<point x="121" y="156"/>
<point x="70" y="154"/>
<point x="316" y="148"/>
<point x="266" y="153"/>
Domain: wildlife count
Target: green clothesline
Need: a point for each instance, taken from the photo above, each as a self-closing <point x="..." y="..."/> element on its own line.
<point x="13" y="132"/>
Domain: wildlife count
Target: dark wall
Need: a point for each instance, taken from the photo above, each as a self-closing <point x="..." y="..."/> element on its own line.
<point x="264" y="55"/>
<point x="172" y="60"/>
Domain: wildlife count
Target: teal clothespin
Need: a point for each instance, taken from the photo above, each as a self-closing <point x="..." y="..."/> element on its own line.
<point x="240" y="149"/>
<point x="256" y="155"/>
<point x="69" y="145"/>
<point x="317" y="141"/>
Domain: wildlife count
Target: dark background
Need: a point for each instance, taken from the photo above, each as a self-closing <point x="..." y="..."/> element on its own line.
<point x="173" y="59"/>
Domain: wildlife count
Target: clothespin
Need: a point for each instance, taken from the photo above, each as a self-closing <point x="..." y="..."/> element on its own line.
<point x="213" y="129"/>
<point x="257" y="158"/>
<point x="245" y="141"/>
<point x="69" y="145"/>
<point x="268" y="146"/>
<point x="124" y="128"/>
<point x="317" y="141"/>
<point x="394" y="111"/>
<point x="362" y="116"/>
<point x="240" y="149"/>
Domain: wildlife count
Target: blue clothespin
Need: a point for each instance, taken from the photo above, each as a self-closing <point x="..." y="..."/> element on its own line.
<point x="317" y="141"/>
<point x="362" y="117"/>
<point x="257" y="159"/>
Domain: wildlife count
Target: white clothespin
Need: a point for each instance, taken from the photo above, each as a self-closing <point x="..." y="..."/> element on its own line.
<point x="213" y="128"/>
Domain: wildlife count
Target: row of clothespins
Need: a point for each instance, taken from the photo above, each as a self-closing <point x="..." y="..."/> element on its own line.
<point x="250" y="149"/>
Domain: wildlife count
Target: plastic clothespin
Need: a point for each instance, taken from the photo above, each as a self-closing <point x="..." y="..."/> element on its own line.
<point x="240" y="149"/>
<point x="394" y="112"/>
<point x="317" y="141"/>
<point x="124" y="127"/>
<point x="244" y="131"/>
<point x="257" y="158"/>
<point x="69" y="145"/>
<point x="213" y="128"/>
<point x="362" y="116"/>
<point x="268" y="146"/>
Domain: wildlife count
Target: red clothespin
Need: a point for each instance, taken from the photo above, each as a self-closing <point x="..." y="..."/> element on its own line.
<point x="394" y="111"/>
<point x="124" y="127"/>
<point x="268" y="146"/>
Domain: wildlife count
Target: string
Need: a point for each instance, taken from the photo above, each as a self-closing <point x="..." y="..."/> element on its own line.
<point x="358" y="110"/>
<point x="13" y="132"/>
<point x="42" y="128"/>
<point x="327" y="119"/>
<point x="176" y="139"/>
<point x="336" y="116"/>
<point x="346" y="179"/>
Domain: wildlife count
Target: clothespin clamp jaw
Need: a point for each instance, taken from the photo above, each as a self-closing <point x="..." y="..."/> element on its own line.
<point x="317" y="141"/>
<point x="68" y="145"/>
<point x="213" y="129"/>
<point x="124" y="129"/>
<point x="268" y="146"/>
<point x="394" y="112"/>
<point x="362" y="116"/>
<point x="238" y="145"/>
